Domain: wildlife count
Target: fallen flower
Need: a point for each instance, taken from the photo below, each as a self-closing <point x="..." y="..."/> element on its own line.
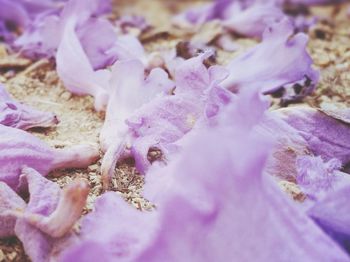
<point x="49" y="215"/>
<point x="193" y="222"/>
<point x="9" y="201"/>
<point x="86" y="54"/>
<point x="288" y="72"/>
<point x="20" y="116"/>
<point x="19" y="148"/>
<point x="121" y="240"/>
<point x="129" y="94"/>
<point x="160" y="122"/>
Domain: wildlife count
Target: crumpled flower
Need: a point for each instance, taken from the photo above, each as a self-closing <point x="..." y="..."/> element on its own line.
<point x="19" y="149"/>
<point x="288" y="72"/>
<point x="210" y="228"/>
<point x="127" y="96"/>
<point x="88" y="55"/>
<point x="48" y="217"/>
<point x="164" y="120"/>
<point x="311" y="149"/>
<point x="43" y="35"/>
<point x="20" y="116"/>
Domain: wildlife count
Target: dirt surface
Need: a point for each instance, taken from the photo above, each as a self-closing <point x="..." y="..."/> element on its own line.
<point x="37" y="84"/>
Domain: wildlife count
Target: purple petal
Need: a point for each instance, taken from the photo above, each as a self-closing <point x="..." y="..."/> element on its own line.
<point x="20" y="149"/>
<point x="219" y="229"/>
<point x="133" y="21"/>
<point x="326" y="136"/>
<point x="72" y="61"/>
<point x="317" y="178"/>
<point x="97" y="36"/>
<point x="253" y="21"/>
<point x="292" y="73"/>
<point x="332" y="214"/>
<point x="118" y="240"/>
<point x="18" y="115"/>
<point x="50" y="213"/>
<point x="128" y="95"/>
<point x="9" y="201"/>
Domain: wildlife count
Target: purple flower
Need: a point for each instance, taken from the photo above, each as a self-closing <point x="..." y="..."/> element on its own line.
<point x="127" y="96"/>
<point x="162" y="121"/>
<point x="121" y="240"/>
<point x="19" y="149"/>
<point x="280" y="65"/>
<point x="194" y="222"/>
<point x="18" y="115"/>
<point x="47" y="218"/>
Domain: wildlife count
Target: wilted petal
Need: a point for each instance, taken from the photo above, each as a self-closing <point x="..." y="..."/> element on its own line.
<point x="257" y="212"/>
<point x="9" y="201"/>
<point x="121" y="239"/>
<point x="333" y="215"/>
<point x="165" y="120"/>
<point x="19" y="149"/>
<point x="326" y="136"/>
<point x="18" y="115"/>
<point x="97" y="36"/>
<point x="50" y="213"/>
<point x="13" y="17"/>
<point x="317" y="178"/>
<point x="72" y="62"/>
<point x="128" y="95"/>
<point x="289" y="64"/>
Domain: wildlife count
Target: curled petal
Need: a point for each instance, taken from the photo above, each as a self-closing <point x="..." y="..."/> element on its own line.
<point x="72" y="61"/>
<point x="21" y="116"/>
<point x="9" y="202"/>
<point x="50" y="213"/>
<point x="19" y="149"/>
<point x="251" y="70"/>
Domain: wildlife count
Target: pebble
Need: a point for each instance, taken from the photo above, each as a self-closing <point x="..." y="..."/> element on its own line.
<point x="66" y="95"/>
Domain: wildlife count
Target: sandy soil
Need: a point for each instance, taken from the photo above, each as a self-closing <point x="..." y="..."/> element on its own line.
<point x="37" y="84"/>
